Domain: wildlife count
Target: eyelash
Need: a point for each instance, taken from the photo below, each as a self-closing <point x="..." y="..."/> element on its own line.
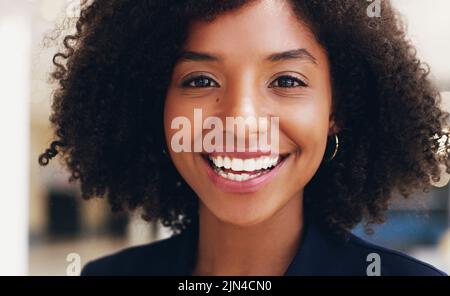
<point x="186" y="83"/>
<point x="300" y="82"/>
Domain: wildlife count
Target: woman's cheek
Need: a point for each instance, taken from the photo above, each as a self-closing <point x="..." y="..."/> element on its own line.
<point x="306" y="125"/>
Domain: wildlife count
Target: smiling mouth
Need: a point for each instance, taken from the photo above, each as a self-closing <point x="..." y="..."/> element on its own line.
<point x="243" y="169"/>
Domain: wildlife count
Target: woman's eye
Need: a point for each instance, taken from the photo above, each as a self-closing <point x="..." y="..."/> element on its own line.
<point x="199" y="81"/>
<point x="287" y="81"/>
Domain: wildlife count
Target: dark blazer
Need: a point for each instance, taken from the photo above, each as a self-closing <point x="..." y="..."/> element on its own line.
<point x="319" y="253"/>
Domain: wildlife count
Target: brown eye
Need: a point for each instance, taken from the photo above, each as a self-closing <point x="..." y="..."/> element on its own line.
<point x="199" y="82"/>
<point x="287" y="81"/>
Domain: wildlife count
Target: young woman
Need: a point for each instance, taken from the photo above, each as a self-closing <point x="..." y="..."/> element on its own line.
<point x="357" y="115"/>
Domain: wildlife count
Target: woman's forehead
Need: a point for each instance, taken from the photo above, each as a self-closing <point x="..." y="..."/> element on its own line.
<point x="261" y="28"/>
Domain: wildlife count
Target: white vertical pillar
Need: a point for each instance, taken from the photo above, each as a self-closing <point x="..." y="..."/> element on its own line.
<point x="15" y="56"/>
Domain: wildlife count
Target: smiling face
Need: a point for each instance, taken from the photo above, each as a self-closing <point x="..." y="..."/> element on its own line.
<point x="256" y="61"/>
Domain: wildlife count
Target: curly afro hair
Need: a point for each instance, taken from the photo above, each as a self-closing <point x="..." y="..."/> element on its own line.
<point x="113" y="72"/>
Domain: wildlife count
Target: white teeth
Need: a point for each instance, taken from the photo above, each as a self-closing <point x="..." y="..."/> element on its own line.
<point x="258" y="163"/>
<point x="265" y="162"/>
<point x="247" y="165"/>
<point x="226" y="162"/>
<point x="237" y="164"/>
<point x="223" y="174"/>
<point x="218" y="161"/>
<point x="236" y="177"/>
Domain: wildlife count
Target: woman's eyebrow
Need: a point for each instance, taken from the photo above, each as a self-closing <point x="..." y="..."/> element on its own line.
<point x="300" y="53"/>
<point x="196" y="56"/>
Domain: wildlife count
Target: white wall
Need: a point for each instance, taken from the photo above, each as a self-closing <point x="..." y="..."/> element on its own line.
<point x="429" y="28"/>
<point x="15" y="36"/>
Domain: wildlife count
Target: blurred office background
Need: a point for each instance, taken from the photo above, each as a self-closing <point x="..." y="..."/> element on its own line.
<point x="44" y="223"/>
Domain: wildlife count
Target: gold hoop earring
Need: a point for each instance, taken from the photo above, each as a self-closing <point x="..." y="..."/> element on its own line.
<point x="336" y="147"/>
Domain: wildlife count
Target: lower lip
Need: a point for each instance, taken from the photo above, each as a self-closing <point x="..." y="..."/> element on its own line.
<point x="248" y="186"/>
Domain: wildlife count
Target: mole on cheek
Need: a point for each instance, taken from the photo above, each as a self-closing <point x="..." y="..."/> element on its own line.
<point x="217" y="100"/>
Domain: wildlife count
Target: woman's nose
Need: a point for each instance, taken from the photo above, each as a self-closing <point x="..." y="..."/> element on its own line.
<point x="242" y="98"/>
<point x="243" y="101"/>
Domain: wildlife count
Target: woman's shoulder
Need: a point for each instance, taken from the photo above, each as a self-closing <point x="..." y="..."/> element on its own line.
<point x="150" y="259"/>
<point x="324" y="252"/>
<point x="390" y="262"/>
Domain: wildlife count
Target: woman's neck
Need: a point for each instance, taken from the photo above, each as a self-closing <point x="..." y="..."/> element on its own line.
<point x="266" y="248"/>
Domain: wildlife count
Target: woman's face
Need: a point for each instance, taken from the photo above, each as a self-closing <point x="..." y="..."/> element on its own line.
<point x="255" y="62"/>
